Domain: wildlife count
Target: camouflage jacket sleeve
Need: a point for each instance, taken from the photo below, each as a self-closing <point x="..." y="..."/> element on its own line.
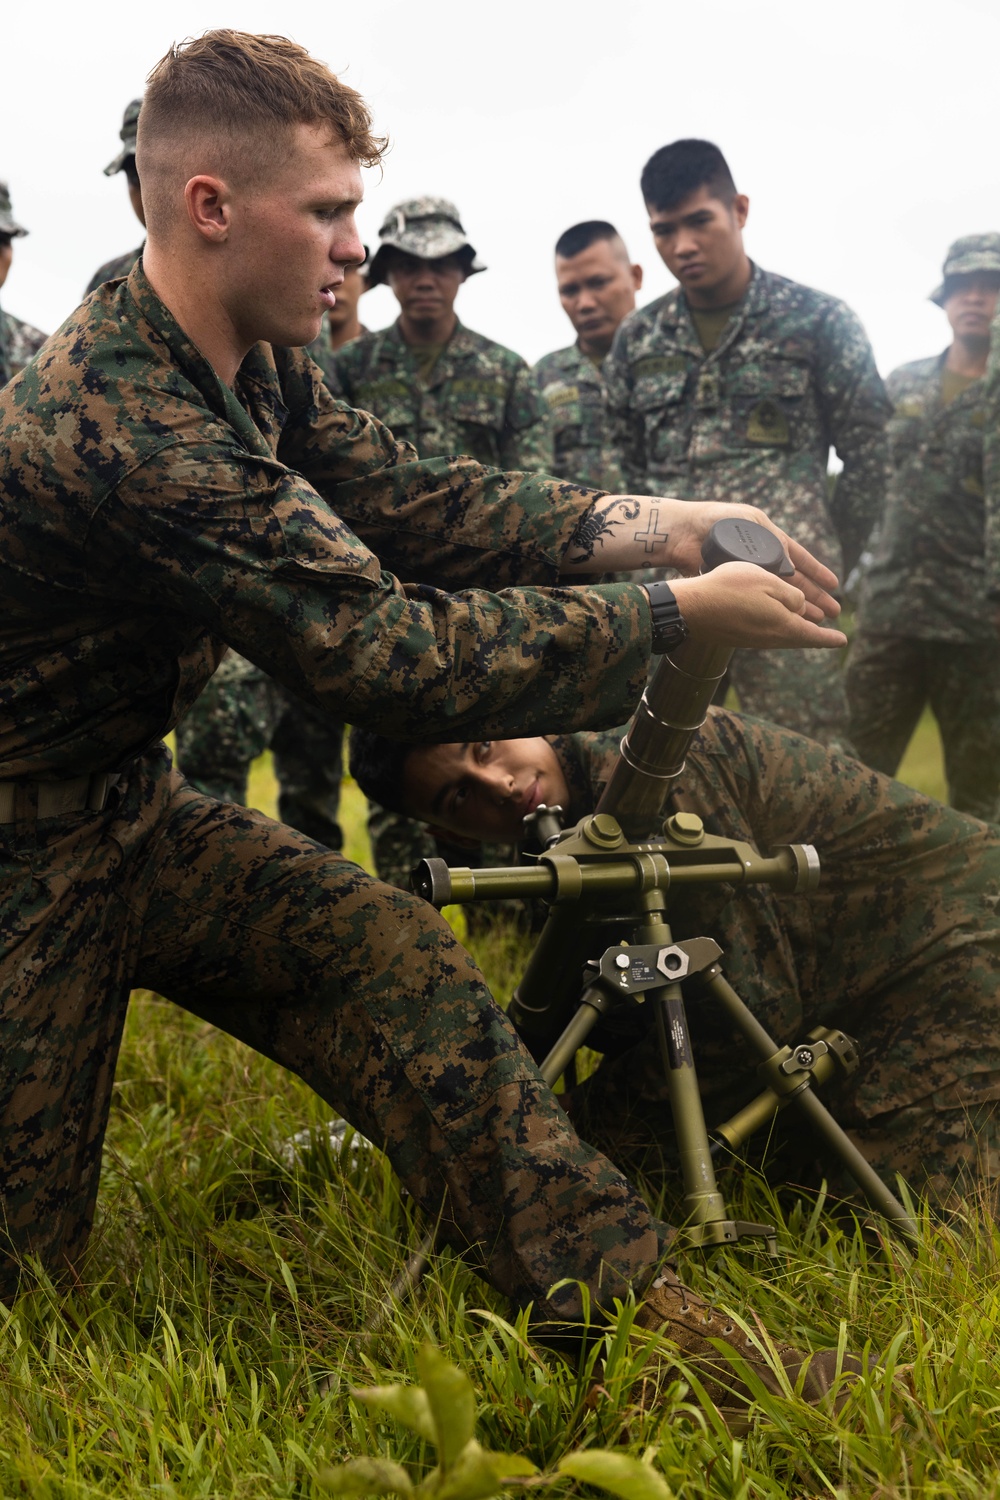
<point x="449" y="521"/>
<point x="526" y="443"/>
<point x="238" y="543"/>
<point x="625" y="425"/>
<point x="855" y="409"/>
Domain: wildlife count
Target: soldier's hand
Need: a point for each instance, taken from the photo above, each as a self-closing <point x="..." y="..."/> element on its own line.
<point x="621" y="533"/>
<point x="738" y="604"/>
<point x="696" y="520"/>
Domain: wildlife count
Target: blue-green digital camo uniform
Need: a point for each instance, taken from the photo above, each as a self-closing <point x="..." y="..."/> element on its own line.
<point x="479" y="399"/>
<point x="152" y="515"/>
<point x="900" y="946"/>
<point x="926" y="628"/>
<point x="121" y="265"/>
<point x="572" y="387"/>
<point x="19" y="342"/>
<point x="753" y="421"/>
<point x="114" y="270"/>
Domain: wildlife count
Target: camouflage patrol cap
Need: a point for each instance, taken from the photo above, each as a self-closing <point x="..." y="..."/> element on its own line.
<point x="973" y="252"/>
<point x="427" y="227"/>
<point x="128" y="132"/>
<point x="8" y="224"/>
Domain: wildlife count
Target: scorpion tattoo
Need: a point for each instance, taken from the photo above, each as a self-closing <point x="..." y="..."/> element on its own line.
<point x="597" y="525"/>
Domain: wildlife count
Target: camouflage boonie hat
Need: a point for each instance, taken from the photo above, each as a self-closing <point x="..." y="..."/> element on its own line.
<point x="128" y="133"/>
<point x="973" y="252"/>
<point x="427" y="227"/>
<point x="8" y="224"/>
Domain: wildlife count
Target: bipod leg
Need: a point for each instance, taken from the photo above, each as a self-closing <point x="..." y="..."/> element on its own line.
<point x="594" y="1003"/>
<point x="707" y="1220"/>
<point x="802" y="1095"/>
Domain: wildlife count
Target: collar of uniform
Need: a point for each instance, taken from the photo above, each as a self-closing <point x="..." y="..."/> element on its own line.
<point x="972" y="393"/>
<point x="218" y="396"/>
<point x="676" y="311"/>
<point x="458" y="345"/>
<point x="584" y="366"/>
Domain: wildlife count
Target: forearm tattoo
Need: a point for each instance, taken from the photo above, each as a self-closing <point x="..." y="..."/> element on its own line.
<point x="651" y="536"/>
<point x="596" y="527"/>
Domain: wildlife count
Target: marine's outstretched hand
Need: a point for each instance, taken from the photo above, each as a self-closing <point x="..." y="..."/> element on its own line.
<point x="736" y="605"/>
<point x="739" y="604"/>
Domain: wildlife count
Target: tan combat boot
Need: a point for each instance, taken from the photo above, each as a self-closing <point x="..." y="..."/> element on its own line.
<point x="689" y="1322"/>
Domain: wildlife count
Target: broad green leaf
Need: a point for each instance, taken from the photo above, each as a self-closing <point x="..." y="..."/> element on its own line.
<point x="623" y="1476"/>
<point x="452" y="1403"/>
<point x="367" y="1476"/>
<point x="512" y="1465"/>
<point x="407" y="1403"/>
<point x="476" y="1474"/>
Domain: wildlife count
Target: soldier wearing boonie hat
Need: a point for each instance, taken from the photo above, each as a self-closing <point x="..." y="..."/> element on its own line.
<point x="121" y="265"/>
<point x="9" y="227"/>
<point x="971" y="254"/>
<point x="430" y="229"/>
<point x="18" y="340"/>
<point x="442" y="388"/>
<point x="928" y="626"/>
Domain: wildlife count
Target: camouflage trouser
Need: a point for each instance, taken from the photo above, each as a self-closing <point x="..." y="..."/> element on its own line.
<point x="800" y="690"/>
<point x="900" y="946"/>
<point x="242" y="713"/>
<point x="891" y="678"/>
<point x="358" y="988"/>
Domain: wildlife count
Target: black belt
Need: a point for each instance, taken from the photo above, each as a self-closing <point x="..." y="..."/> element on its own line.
<point x="54" y="798"/>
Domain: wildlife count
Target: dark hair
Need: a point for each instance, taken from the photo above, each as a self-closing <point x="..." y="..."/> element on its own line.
<point x="580" y="237"/>
<point x="377" y="765"/>
<point x="131" y="172"/>
<point x="675" y="172"/>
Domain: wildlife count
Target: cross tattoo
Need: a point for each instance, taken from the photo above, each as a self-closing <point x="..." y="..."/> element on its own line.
<point x="651" y="536"/>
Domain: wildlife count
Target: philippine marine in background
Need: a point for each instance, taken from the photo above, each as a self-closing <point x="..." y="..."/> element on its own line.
<point x="737" y="384"/>
<point x="121" y="265"/>
<point x="19" y="341"/>
<point x="597" y="284"/>
<point x="441" y="387"/>
<point x="927" y="630"/>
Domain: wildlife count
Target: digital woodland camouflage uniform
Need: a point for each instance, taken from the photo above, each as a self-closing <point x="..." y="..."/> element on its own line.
<point x="121" y="265"/>
<point x="753" y="421"/>
<point x="479" y="399"/>
<point x="900" y="946"/>
<point x="927" y="630"/>
<point x="19" y="341"/>
<point x="150" y="514"/>
<point x="572" y="386"/>
<point x="244" y="712"/>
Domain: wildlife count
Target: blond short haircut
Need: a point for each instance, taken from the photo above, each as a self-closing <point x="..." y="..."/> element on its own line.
<point x="241" y="94"/>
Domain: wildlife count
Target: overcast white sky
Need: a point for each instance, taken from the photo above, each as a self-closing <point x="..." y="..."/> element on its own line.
<point x="865" y="133"/>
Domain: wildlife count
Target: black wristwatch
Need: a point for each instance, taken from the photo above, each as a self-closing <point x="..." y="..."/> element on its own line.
<point x="669" y="628"/>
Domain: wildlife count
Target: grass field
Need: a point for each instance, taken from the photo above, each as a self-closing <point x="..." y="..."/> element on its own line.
<point x="212" y="1349"/>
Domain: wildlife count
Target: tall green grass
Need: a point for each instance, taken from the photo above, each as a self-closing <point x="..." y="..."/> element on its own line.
<point x="217" y="1331"/>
